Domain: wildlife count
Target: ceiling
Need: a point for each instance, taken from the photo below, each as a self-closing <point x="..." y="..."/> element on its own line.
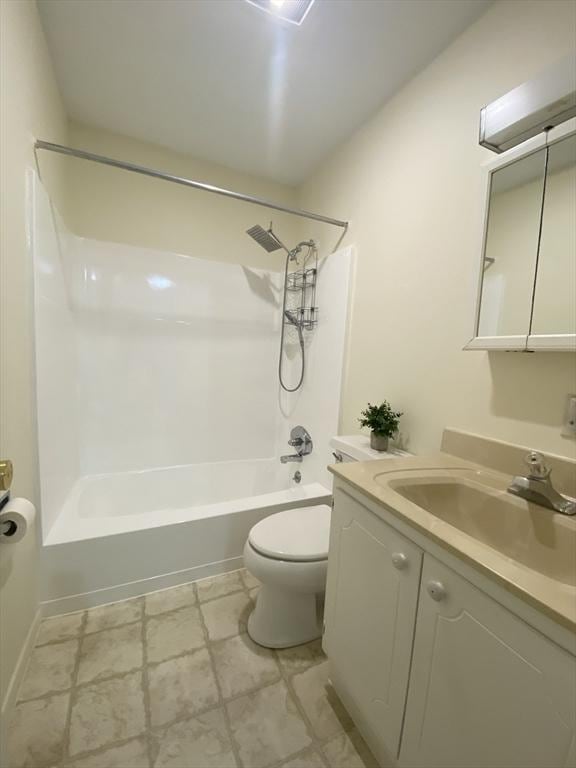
<point x="224" y="81"/>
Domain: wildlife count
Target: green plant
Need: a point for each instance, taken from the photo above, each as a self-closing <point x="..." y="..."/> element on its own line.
<point x="381" y="419"/>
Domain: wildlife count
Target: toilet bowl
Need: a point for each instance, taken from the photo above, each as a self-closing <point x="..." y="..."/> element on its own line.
<point x="288" y="553"/>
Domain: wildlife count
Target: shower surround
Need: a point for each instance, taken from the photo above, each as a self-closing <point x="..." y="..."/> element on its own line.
<point x="160" y="417"/>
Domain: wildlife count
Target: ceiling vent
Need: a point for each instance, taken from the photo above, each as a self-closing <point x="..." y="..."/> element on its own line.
<point x="294" y="11"/>
<point x="531" y="108"/>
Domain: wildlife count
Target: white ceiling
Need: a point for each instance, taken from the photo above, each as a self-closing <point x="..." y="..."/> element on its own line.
<point x="224" y="81"/>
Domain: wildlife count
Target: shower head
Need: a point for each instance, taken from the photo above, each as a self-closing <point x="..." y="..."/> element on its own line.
<point x="265" y="238"/>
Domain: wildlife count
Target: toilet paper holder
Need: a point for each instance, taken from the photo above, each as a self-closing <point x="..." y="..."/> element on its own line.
<point x="8" y="528"/>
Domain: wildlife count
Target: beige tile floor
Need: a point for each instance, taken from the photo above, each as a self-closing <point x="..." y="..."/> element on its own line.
<point x="172" y="680"/>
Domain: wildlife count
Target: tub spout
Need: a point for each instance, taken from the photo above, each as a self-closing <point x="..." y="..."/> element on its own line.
<point x="292" y="457"/>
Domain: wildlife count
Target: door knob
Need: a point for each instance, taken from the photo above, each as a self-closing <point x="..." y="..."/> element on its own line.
<point x="6" y="472"/>
<point x="436" y="590"/>
<point x="399" y="560"/>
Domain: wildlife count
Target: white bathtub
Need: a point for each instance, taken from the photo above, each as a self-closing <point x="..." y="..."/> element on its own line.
<point x="121" y="535"/>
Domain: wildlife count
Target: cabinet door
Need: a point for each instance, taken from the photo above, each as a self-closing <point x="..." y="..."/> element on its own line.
<point x="553" y="324"/>
<point x="510" y="251"/>
<point x="372" y="591"/>
<point x="486" y="690"/>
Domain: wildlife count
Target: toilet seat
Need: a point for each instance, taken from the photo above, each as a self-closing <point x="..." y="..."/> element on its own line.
<point x="296" y="535"/>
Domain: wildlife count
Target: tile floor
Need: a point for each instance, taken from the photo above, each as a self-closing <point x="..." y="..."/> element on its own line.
<point x="172" y="680"/>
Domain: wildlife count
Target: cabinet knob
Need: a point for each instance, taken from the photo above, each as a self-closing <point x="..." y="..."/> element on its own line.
<point x="436" y="590"/>
<point x="399" y="560"/>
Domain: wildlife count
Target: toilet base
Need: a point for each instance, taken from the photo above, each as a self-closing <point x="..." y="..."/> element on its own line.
<point x="283" y="619"/>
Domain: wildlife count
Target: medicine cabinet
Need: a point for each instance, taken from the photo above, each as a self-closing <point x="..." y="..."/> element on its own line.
<point x="527" y="276"/>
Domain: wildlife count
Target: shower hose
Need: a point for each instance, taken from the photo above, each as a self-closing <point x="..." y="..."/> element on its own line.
<point x="300" y="335"/>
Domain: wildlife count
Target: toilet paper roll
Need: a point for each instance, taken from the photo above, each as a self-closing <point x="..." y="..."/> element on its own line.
<point x="15" y="518"/>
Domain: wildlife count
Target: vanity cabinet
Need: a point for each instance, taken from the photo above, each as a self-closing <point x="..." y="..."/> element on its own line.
<point x="486" y="689"/>
<point x="372" y="593"/>
<point x="434" y="671"/>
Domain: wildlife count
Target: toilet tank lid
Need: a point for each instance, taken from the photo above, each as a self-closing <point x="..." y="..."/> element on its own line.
<point x="300" y="534"/>
<point x="358" y="448"/>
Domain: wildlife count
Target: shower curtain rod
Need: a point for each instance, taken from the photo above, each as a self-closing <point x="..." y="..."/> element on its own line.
<point x="80" y="153"/>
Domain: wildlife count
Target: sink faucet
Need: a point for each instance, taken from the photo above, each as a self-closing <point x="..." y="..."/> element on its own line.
<point x="537" y="487"/>
<point x="301" y="440"/>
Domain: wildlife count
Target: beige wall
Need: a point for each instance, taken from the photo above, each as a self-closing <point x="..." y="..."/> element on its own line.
<point x="410" y="181"/>
<point x="30" y="106"/>
<point x="110" y="204"/>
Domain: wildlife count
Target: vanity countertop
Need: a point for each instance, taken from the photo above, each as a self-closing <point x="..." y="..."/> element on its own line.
<point x="532" y="528"/>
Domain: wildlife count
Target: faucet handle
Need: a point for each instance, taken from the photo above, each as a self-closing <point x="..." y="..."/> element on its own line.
<point x="537" y="466"/>
<point x="301" y="440"/>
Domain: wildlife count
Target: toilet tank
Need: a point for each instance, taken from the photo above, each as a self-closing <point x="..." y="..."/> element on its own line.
<point x="357" y="448"/>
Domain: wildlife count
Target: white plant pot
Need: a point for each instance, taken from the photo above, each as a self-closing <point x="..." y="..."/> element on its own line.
<point x="378" y="442"/>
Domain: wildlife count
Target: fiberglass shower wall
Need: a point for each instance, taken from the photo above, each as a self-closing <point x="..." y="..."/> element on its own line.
<point x="175" y="358"/>
<point x="56" y="362"/>
<point x="149" y="359"/>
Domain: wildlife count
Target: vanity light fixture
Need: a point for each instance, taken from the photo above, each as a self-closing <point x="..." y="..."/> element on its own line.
<point x="535" y="106"/>
<point x="294" y="11"/>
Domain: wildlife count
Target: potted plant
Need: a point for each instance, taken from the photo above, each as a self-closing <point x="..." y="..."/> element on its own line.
<point x="383" y="423"/>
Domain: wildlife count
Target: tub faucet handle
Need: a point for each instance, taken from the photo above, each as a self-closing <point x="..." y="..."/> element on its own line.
<point x="301" y="440"/>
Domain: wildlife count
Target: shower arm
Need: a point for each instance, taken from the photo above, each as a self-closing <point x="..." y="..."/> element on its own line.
<point x="143" y="170"/>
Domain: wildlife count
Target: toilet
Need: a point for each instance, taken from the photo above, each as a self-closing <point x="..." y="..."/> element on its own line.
<point x="288" y="553"/>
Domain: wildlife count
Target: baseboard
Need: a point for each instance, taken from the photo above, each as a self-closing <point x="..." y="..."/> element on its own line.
<point x="11" y="696"/>
<point x="114" y="594"/>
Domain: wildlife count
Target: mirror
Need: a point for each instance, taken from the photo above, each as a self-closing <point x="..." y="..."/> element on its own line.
<point x="555" y="295"/>
<point x="511" y="246"/>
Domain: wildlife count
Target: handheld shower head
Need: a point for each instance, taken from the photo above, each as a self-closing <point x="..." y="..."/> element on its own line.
<point x="291" y="319"/>
<point x="265" y="238"/>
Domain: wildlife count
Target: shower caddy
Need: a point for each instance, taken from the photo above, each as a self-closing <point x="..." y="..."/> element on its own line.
<point x="302" y="287"/>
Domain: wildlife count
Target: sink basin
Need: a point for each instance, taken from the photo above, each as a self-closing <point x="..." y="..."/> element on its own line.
<point x="527" y="533"/>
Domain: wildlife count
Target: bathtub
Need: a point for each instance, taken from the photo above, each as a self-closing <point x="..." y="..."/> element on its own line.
<point x="124" y="534"/>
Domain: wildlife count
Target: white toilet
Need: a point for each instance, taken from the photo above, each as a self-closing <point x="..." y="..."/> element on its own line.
<point x="288" y="553"/>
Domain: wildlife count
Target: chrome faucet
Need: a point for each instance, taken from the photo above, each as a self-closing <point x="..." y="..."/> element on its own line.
<point x="301" y="440"/>
<point x="537" y="487"/>
<point x="291" y="457"/>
